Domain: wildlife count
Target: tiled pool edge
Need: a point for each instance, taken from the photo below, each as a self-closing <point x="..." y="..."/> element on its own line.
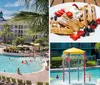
<point x="60" y="69"/>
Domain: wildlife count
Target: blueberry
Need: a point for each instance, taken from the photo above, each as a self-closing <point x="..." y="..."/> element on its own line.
<point x="86" y="29"/>
<point x="51" y="18"/>
<point x="89" y="30"/>
<point x="95" y="24"/>
<point x="55" y="18"/>
<point x="83" y="35"/>
<point x="87" y="34"/>
<point x="92" y="30"/>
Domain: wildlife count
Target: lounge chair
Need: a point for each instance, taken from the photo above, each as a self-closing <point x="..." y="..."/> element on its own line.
<point x="20" y="82"/>
<point x="39" y="83"/>
<point x="45" y="83"/>
<point x="14" y="82"/>
<point x="1" y="81"/>
<point x="28" y="82"/>
<point x="8" y="81"/>
<point x="3" y="78"/>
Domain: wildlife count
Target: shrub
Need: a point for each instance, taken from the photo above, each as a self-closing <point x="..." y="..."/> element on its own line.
<point x="56" y="62"/>
<point x="91" y="63"/>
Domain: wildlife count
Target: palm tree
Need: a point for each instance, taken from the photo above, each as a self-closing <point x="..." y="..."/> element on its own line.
<point x="6" y="33"/>
<point x="97" y="47"/>
<point x="37" y="16"/>
<point x="19" y="40"/>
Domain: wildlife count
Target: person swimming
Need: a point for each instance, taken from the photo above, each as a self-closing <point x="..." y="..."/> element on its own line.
<point x="10" y="59"/>
<point x="25" y="62"/>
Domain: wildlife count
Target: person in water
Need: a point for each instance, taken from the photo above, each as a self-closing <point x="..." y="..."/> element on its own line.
<point x="18" y="71"/>
<point x="26" y="61"/>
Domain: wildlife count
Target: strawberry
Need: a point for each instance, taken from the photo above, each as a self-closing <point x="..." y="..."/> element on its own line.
<point x="98" y="21"/>
<point x="74" y="36"/>
<point x="69" y="14"/>
<point x="57" y="14"/>
<point x="61" y="12"/>
<point x="75" y="6"/>
<point x="80" y="33"/>
<point x="92" y="26"/>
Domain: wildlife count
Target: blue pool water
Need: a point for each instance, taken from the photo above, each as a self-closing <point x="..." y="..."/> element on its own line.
<point x="95" y="72"/>
<point x="11" y="65"/>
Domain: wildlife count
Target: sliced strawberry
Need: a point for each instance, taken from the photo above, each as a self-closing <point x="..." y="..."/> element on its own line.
<point x="92" y="26"/>
<point x="75" y="6"/>
<point x="98" y="21"/>
<point x="80" y="33"/>
<point x="61" y="12"/>
<point x="58" y="14"/>
<point x="69" y="14"/>
<point x="74" y="36"/>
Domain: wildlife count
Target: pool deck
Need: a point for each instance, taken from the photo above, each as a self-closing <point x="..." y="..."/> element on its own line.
<point x="75" y="68"/>
<point x="41" y="76"/>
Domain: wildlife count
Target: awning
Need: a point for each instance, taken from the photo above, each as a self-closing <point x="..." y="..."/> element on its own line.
<point x="73" y="51"/>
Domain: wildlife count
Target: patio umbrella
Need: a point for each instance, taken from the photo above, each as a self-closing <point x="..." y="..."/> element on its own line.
<point x="73" y="51"/>
<point x="66" y="53"/>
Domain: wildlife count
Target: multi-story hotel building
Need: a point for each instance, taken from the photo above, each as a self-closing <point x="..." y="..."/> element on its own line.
<point x="18" y="29"/>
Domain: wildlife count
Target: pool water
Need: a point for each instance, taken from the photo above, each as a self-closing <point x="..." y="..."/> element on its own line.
<point x="11" y="65"/>
<point x="95" y="72"/>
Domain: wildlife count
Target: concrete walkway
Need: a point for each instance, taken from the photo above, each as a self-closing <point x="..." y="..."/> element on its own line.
<point x="42" y="76"/>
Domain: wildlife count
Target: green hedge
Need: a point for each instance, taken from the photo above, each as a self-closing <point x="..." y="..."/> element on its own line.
<point x="56" y="62"/>
<point x="91" y="63"/>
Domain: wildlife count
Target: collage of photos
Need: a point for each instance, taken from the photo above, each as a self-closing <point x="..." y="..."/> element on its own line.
<point x="74" y="42"/>
<point x="49" y="42"/>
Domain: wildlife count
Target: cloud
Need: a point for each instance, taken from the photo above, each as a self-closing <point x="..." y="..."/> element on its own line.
<point x="15" y="4"/>
<point x="7" y="13"/>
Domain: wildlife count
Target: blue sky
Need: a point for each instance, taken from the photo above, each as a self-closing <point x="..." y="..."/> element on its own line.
<point x="8" y="7"/>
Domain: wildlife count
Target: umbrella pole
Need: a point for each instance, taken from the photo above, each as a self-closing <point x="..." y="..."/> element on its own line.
<point x="69" y="68"/>
<point x="78" y="68"/>
<point x="63" y="70"/>
<point x="84" y="67"/>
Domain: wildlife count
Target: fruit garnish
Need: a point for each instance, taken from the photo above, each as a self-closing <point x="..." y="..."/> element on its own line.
<point x="87" y="34"/>
<point x="61" y="12"/>
<point x="92" y="26"/>
<point x="55" y="18"/>
<point x="74" y="36"/>
<point x="98" y="21"/>
<point x="58" y="14"/>
<point x="51" y="18"/>
<point x="80" y="33"/>
<point x="69" y="14"/>
<point x="75" y="6"/>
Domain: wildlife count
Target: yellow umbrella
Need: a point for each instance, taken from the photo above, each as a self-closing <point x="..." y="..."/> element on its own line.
<point x="73" y="51"/>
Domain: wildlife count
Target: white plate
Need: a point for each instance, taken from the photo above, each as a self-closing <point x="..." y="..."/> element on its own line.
<point x="94" y="37"/>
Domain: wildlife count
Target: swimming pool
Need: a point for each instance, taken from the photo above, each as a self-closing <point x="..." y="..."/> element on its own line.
<point x="11" y="63"/>
<point x="95" y="72"/>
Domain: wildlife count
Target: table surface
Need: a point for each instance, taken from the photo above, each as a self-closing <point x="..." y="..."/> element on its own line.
<point x="55" y="2"/>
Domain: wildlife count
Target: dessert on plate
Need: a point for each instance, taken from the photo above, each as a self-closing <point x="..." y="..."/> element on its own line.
<point x="74" y="21"/>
